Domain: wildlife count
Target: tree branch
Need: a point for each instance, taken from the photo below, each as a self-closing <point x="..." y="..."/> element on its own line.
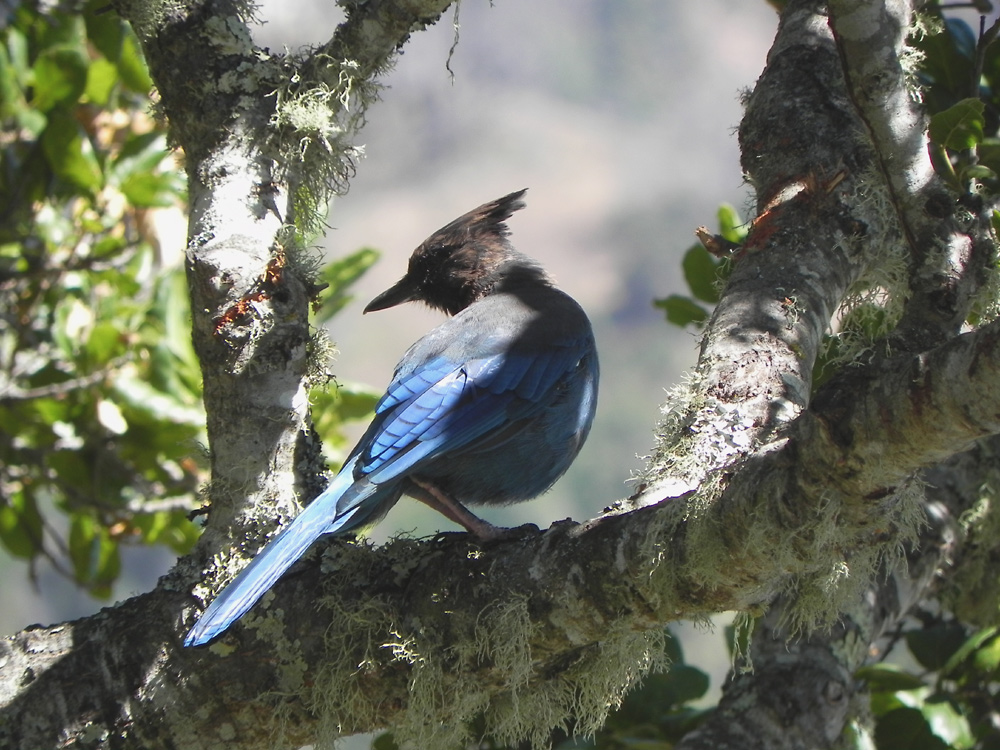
<point x="479" y="628"/>
<point x="805" y="152"/>
<point x="948" y="237"/>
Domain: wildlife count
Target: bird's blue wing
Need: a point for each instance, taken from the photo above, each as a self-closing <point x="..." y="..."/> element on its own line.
<point x="441" y="406"/>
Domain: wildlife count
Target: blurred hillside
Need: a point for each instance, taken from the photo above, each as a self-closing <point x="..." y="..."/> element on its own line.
<point x="619" y="117"/>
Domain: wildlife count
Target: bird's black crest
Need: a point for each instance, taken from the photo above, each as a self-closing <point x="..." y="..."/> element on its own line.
<point x="464" y="261"/>
<point x="459" y="263"/>
<point x="488" y="218"/>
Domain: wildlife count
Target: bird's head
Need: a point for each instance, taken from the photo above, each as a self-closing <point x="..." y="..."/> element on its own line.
<point x="463" y="261"/>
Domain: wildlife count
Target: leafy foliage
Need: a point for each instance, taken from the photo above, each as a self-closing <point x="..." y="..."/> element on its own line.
<point x="101" y="421"/>
<point x="965" y="112"/>
<point x="704" y="273"/>
<point x="950" y="699"/>
<point x="100" y="412"/>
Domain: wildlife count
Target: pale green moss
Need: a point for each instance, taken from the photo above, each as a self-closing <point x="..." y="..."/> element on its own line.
<point x="317" y="112"/>
<point x="453" y="684"/>
<point x="972" y="589"/>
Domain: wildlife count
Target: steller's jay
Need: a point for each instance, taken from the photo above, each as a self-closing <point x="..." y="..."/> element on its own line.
<point x="490" y="407"/>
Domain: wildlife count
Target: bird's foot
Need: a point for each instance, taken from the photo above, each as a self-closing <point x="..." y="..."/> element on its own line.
<point x="484" y="531"/>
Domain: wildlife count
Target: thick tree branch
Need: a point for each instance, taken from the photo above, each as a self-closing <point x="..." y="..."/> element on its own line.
<point x="801" y="692"/>
<point x="949" y="240"/>
<point x="806" y="152"/>
<point x="403" y="611"/>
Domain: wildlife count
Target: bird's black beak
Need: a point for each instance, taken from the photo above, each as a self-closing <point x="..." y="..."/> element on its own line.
<point x="404" y="290"/>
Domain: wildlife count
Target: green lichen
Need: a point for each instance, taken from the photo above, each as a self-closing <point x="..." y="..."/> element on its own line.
<point x="873" y="305"/>
<point x="973" y="586"/>
<point x="482" y="673"/>
<point x="856" y="552"/>
<point x="317" y="113"/>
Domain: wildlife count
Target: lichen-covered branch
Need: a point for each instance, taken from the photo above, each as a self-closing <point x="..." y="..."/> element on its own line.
<point x="910" y="412"/>
<point x="534" y="632"/>
<point x="948" y="239"/>
<point x="806" y="154"/>
<point x="801" y="690"/>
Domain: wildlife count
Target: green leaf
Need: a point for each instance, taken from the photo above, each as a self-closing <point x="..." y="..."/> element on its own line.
<point x="167" y="527"/>
<point x="933" y="646"/>
<point x="151" y="190"/>
<point x="947" y="63"/>
<point x="140" y="154"/>
<point x="104" y="343"/>
<point x="17" y="51"/>
<point x="906" y="729"/>
<point x="987" y="657"/>
<point x="21" y="525"/>
<point x="94" y="553"/>
<point x="977" y="172"/>
<point x="60" y="76"/>
<point x="989" y="153"/>
<point x="682" y="310"/>
<point x="101" y="79"/>
<point x="132" y="66"/>
<point x="959" y="127"/>
<point x="60" y="29"/>
<point x="108" y="564"/>
<point x="12" y="98"/>
<point x="889" y="677"/>
<point x="333" y="407"/>
<point x="70" y="153"/>
<point x="356" y="401"/>
<point x="661" y="694"/>
<point x="107" y="246"/>
<point x="104" y="30"/>
<point x="971" y="645"/>
<point x="731" y="226"/>
<point x="948" y="724"/>
<point x="700" y="270"/>
<point x="82" y="537"/>
<point x="72" y="469"/>
<point x="142" y="403"/>
<point x="942" y="165"/>
<point x="50" y="410"/>
<point x="339" y="277"/>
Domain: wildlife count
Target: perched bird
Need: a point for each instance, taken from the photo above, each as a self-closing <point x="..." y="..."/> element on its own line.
<point x="490" y="407"/>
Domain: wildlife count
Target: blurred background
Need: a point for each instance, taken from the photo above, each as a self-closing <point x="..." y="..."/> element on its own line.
<point x="619" y="117"/>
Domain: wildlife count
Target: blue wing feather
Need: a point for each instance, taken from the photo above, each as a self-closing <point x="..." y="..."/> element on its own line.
<point x="466" y="402"/>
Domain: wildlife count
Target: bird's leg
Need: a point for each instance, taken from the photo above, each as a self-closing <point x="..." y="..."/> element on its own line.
<point x="455" y="511"/>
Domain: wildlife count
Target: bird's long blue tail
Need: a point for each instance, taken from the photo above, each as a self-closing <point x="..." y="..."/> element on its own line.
<point x="325" y="515"/>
